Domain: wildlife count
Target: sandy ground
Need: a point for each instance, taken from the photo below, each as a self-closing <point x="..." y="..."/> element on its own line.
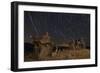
<point x="60" y="55"/>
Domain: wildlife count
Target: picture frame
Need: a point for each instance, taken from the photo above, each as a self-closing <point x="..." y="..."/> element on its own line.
<point x="61" y="23"/>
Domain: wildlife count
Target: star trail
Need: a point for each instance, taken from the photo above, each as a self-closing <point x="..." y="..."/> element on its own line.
<point x="60" y="26"/>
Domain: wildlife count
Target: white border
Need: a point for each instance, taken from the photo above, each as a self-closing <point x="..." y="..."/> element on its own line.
<point x="22" y="64"/>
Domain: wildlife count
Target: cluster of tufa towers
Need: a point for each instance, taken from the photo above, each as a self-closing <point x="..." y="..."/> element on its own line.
<point x="45" y="47"/>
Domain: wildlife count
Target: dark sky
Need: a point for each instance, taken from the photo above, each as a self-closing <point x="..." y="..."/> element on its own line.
<point x="59" y="25"/>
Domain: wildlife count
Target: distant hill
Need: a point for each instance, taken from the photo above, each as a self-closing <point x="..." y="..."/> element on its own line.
<point x="28" y="47"/>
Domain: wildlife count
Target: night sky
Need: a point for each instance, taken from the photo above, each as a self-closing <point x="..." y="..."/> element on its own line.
<point x="60" y="26"/>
